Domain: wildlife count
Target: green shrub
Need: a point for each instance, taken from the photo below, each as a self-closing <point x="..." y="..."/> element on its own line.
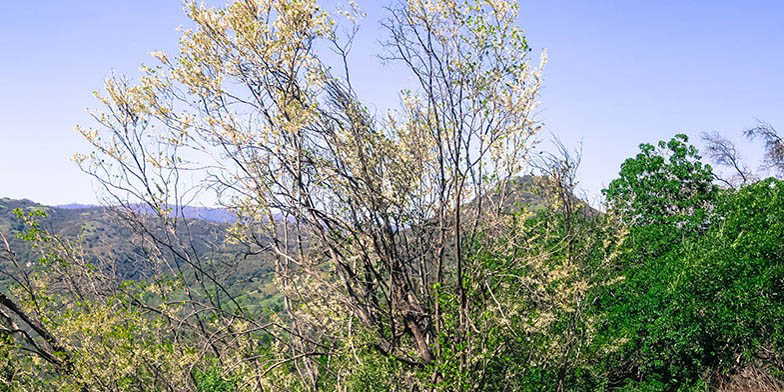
<point x="709" y="303"/>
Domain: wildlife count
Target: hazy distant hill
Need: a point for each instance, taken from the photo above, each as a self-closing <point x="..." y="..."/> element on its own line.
<point x="76" y="206"/>
<point x="205" y="213"/>
<point x="99" y="232"/>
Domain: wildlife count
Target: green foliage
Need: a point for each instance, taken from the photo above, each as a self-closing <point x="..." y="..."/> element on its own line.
<point x="213" y="380"/>
<point x="693" y="302"/>
<point x="668" y="185"/>
<point x="735" y="278"/>
<point x="530" y="293"/>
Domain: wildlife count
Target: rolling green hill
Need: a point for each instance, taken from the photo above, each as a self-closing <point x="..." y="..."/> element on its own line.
<point x="103" y="236"/>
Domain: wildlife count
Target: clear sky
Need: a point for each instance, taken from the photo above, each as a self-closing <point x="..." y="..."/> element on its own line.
<point x="620" y="73"/>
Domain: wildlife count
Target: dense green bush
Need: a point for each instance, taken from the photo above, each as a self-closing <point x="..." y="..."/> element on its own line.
<point x="700" y="292"/>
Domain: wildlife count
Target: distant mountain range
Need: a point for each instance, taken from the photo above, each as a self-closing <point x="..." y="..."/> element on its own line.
<point x="218" y="215"/>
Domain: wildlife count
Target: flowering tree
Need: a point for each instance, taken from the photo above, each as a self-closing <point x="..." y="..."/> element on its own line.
<point x="367" y="220"/>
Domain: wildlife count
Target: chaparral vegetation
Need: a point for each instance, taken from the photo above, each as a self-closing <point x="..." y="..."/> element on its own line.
<point x="428" y="248"/>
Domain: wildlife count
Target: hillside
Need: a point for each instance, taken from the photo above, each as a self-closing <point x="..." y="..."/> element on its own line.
<point x="101" y="235"/>
<point x="97" y="229"/>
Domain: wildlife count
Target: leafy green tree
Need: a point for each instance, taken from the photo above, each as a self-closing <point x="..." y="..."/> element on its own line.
<point x="661" y="195"/>
<point x="664" y="185"/>
<point x="699" y="285"/>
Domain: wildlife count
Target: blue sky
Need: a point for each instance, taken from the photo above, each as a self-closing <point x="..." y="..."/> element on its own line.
<point x="620" y="73"/>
